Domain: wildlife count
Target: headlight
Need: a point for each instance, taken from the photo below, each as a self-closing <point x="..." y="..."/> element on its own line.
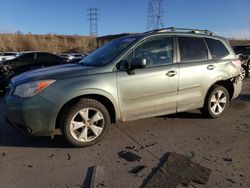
<point x="30" y="89"/>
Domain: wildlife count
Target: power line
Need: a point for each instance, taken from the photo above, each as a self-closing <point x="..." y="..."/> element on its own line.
<point x="93" y="21"/>
<point x="155" y="14"/>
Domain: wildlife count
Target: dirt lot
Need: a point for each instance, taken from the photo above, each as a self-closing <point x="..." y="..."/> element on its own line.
<point x="222" y="145"/>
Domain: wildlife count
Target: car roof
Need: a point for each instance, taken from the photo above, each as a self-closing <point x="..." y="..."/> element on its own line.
<point x="10" y="52"/>
<point x="25" y="52"/>
<point x="180" y="31"/>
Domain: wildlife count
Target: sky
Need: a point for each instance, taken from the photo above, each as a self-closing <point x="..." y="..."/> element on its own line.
<point x="229" y="18"/>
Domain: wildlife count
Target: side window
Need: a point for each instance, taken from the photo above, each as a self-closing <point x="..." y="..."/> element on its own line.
<point x="43" y="56"/>
<point x="156" y="51"/>
<point x="238" y="50"/>
<point x="47" y="59"/>
<point x="27" y="57"/>
<point x="247" y="50"/>
<point x="217" y="49"/>
<point x="192" y="49"/>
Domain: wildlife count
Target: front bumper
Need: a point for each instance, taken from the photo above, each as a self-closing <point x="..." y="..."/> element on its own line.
<point x="33" y="116"/>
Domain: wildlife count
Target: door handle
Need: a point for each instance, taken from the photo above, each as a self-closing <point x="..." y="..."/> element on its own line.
<point x="210" y="67"/>
<point x="171" y="73"/>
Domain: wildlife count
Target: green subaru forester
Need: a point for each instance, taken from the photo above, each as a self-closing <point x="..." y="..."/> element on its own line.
<point x="143" y="75"/>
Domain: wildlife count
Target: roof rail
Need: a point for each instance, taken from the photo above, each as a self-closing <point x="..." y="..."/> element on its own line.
<point x="175" y="29"/>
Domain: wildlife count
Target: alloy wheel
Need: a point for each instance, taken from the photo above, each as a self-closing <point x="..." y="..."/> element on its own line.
<point x="242" y="73"/>
<point x="87" y="124"/>
<point x="218" y="102"/>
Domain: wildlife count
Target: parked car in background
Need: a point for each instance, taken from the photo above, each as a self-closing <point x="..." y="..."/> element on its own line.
<point x="138" y="76"/>
<point x="77" y="55"/>
<point x="71" y="56"/>
<point x="76" y="60"/>
<point x="26" y="61"/>
<point x="243" y="51"/>
<point x="8" y="55"/>
<point x="67" y="56"/>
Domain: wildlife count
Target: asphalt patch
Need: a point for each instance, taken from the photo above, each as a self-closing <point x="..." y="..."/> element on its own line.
<point x="52" y="155"/>
<point x="137" y="169"/>
<point x="69" y="157"/>
<point x="131" y="147"/>
<point x="230" y="180"/>
<point x="176" y="169"/>
<point x="244" y="97"/>
<point x="227" y="159"/>
<point x="238" y="105"/>
<point x="129" y="156"/>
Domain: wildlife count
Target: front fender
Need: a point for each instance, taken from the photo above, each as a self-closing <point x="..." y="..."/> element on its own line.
<point x="85" y="92"/>
<point x="63" y="91"/>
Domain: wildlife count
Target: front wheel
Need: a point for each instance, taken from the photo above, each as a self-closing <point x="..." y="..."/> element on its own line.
<point x="85" y="123"/>
<point x="216" y="102"/>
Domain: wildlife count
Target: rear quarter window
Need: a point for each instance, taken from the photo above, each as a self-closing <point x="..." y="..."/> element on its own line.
<point x="217" y="48"/>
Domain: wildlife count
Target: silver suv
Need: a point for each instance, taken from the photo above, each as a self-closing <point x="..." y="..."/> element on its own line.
<point x="144" y="75"/>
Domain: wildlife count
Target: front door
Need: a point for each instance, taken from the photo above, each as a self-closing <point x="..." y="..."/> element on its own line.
<point x="152" y="90"/>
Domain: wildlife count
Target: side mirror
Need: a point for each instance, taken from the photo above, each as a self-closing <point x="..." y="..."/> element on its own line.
<point x="138" y="63"/>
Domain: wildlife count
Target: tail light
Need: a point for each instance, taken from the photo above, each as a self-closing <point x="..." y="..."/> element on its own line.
<point x="237" y="63"/>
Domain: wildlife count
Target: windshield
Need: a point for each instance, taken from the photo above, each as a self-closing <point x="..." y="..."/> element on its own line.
<point x="107" y="52"/>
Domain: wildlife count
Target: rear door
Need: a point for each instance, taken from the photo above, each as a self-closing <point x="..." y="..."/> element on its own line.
<point x="152" y="90"/>
<point x="197" y="71"/>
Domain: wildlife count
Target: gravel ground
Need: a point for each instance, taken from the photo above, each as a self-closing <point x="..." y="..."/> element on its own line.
<point x="222" y="145"/>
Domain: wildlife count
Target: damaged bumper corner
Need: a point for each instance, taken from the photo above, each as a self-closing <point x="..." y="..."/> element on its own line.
<point x="237" y="83"/>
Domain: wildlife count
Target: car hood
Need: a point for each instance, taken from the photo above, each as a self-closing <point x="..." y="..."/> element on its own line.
<point x="55" y="72"/>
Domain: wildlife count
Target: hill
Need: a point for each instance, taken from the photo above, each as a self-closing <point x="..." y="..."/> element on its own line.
<point x="50" y="43"/>
<point x="60" y="43"/>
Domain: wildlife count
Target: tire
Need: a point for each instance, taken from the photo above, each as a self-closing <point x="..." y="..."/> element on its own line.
<point x="243" y="72"/>
<point x="85" y="123"/>
<point x="247" y="72"/>
<point x="216" y="102"/>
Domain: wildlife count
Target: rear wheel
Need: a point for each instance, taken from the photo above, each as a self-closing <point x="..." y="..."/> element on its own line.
<point x="216" y="102"/>
<point x="85" y="123"/>
<point x="243" y="72"/>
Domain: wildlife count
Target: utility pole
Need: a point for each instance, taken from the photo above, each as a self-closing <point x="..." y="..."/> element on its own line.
<point x="155" y="14"/>
<point x="93" y="18"/>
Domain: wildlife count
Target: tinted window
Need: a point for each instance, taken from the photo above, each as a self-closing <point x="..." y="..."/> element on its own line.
<point x="64" y="55"/>
<point x="49" y="59"/>
<point x="242" y="50"/>
<point x="43" y="56"/>
<point x="27" y="56"/>
<point x="192" y="49"/>
<point x="217" y="49"/>
<point x="157" y="51"/>
<point x="247" y="50"/>
<point x="78" y="55"/>
<point x="8" y="54"/>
